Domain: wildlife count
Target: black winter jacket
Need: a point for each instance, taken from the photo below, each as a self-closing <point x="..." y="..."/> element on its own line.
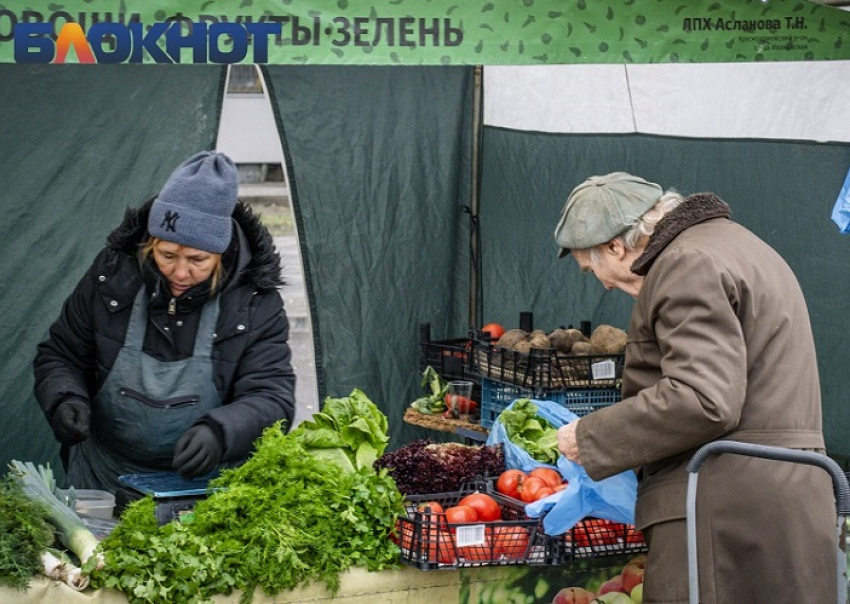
<point x="251" y="357"/>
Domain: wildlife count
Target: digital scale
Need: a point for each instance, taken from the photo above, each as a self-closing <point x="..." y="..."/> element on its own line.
<point x="173" y="495"/>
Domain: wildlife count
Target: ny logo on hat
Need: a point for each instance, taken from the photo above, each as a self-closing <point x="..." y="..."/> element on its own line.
<point x="170" y="220"/>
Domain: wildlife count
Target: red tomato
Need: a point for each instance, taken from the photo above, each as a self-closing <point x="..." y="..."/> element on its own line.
<point x="461" y="514"/>
<point x="459" y="354"/>
<point x="544" y="492"/>
<point x="561" y="486"/>
<point x="436" y="508"/>
<point x="594" y="532"/>
<point x="442" y="549"/>
<point x="476" y="553"/>
<point x="460" y="403"/>
<point x="550" y="476"/>
<point x="510" y="541"/>
<point x="529" y="487"/>
<point x="605" y="536"/>
<point x="494" y="330"/>
<point x="509" y="481"/>
<point x="434" y="520"/>
<point x="633" y="535"/>
<point x="484" y="505"/>
<point x="582" y="534"/>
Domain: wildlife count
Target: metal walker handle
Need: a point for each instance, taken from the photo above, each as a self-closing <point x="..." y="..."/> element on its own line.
<point x="839" y="485"/>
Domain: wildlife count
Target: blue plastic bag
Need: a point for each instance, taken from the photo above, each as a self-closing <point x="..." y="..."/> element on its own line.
<point x="612" y="498"/>
<point x="517" y="457"/>
<point x="841" y="209"/>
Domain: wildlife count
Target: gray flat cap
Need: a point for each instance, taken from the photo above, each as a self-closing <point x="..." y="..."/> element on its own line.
<point x="601" y="208"/>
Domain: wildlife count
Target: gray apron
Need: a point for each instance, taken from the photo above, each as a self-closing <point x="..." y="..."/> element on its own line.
<point x="145" y="405"/>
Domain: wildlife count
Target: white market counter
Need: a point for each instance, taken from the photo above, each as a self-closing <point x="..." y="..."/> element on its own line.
<point x="483" y="585"/>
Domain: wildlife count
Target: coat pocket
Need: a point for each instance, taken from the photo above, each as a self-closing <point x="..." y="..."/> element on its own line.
<point x="169" y="403"/>
<point x="661" y="498"/>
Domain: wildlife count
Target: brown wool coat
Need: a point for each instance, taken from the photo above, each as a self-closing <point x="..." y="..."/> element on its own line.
<point x="720" y="346"/>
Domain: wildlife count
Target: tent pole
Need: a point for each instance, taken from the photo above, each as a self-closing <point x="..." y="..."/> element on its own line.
<point x="475" y="292"/>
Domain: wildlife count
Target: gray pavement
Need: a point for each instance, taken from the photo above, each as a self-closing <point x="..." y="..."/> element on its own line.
<point x="294" y="296"/>
<point x="270" y="198"/>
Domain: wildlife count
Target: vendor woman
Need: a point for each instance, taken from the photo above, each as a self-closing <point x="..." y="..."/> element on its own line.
<point x="171" y="352"/>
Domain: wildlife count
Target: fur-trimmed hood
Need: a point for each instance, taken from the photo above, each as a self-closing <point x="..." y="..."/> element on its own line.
<point x="696" y="208"/>
<point x="259" y="265"/>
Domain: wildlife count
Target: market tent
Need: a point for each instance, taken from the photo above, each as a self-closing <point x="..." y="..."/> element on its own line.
<point x="381" y="168"/>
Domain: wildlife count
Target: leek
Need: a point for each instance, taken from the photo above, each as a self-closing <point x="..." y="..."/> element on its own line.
<point x="56" y="566"/>
<point x="39" y="485"/>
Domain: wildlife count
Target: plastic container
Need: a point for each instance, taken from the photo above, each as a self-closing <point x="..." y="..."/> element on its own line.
<point x="589" y="538"/>
<point x="429" y="542"/>
<point x="94" y="503"/>
<point x="449" y="358"/>
<point x="544" y="368"/>
<point x="496" y="396"/>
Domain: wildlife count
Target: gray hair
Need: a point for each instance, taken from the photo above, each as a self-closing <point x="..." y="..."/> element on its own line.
<point x="644" y="226"/>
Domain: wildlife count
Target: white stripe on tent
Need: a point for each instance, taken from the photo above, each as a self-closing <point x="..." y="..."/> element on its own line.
<point x="793" y="100"/>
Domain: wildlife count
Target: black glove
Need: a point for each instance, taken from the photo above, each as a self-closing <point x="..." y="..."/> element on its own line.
<point x="71" y="421"/>
<point x="198" y="451"/>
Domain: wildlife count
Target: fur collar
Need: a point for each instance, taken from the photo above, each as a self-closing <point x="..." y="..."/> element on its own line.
<point x="255" y="261"/>
<point x="695" y="209"/>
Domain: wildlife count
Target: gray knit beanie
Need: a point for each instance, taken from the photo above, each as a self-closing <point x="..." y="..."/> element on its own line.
<point x="195" y="205"/>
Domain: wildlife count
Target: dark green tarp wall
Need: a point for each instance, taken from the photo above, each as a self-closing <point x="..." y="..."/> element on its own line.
<point x="78" y="145"/>
<point x="782" y="190"/>
<point x="379" y="168"/>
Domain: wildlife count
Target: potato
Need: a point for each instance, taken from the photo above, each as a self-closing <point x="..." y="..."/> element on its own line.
<point x="512" y="337"/>
<point x="523" y="346"/>
<point x="608" y="339"/>
<point x="582" y="348"/>
<point x="563" y="339"/>
<point x="539" y="339"/>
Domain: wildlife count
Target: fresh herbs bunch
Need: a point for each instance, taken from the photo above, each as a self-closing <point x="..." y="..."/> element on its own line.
<point x="168" y="563"/>
<point x="292" y="518"/>
<point x="25" y="534"/>
<point x="282" y="519"/>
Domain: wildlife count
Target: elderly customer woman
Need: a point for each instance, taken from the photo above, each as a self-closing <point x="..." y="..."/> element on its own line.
<point x="171" y="352"/>
<point x="719" y="347"/>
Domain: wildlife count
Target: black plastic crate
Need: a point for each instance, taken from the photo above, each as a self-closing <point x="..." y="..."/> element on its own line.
<point x="429" y="542"/>
<point x="589" y="538"/>
<point x="496" y="396"/>
<point x="595" y="537"/>
<point x="450" y="358"/>
<point x="544" y="368"/>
